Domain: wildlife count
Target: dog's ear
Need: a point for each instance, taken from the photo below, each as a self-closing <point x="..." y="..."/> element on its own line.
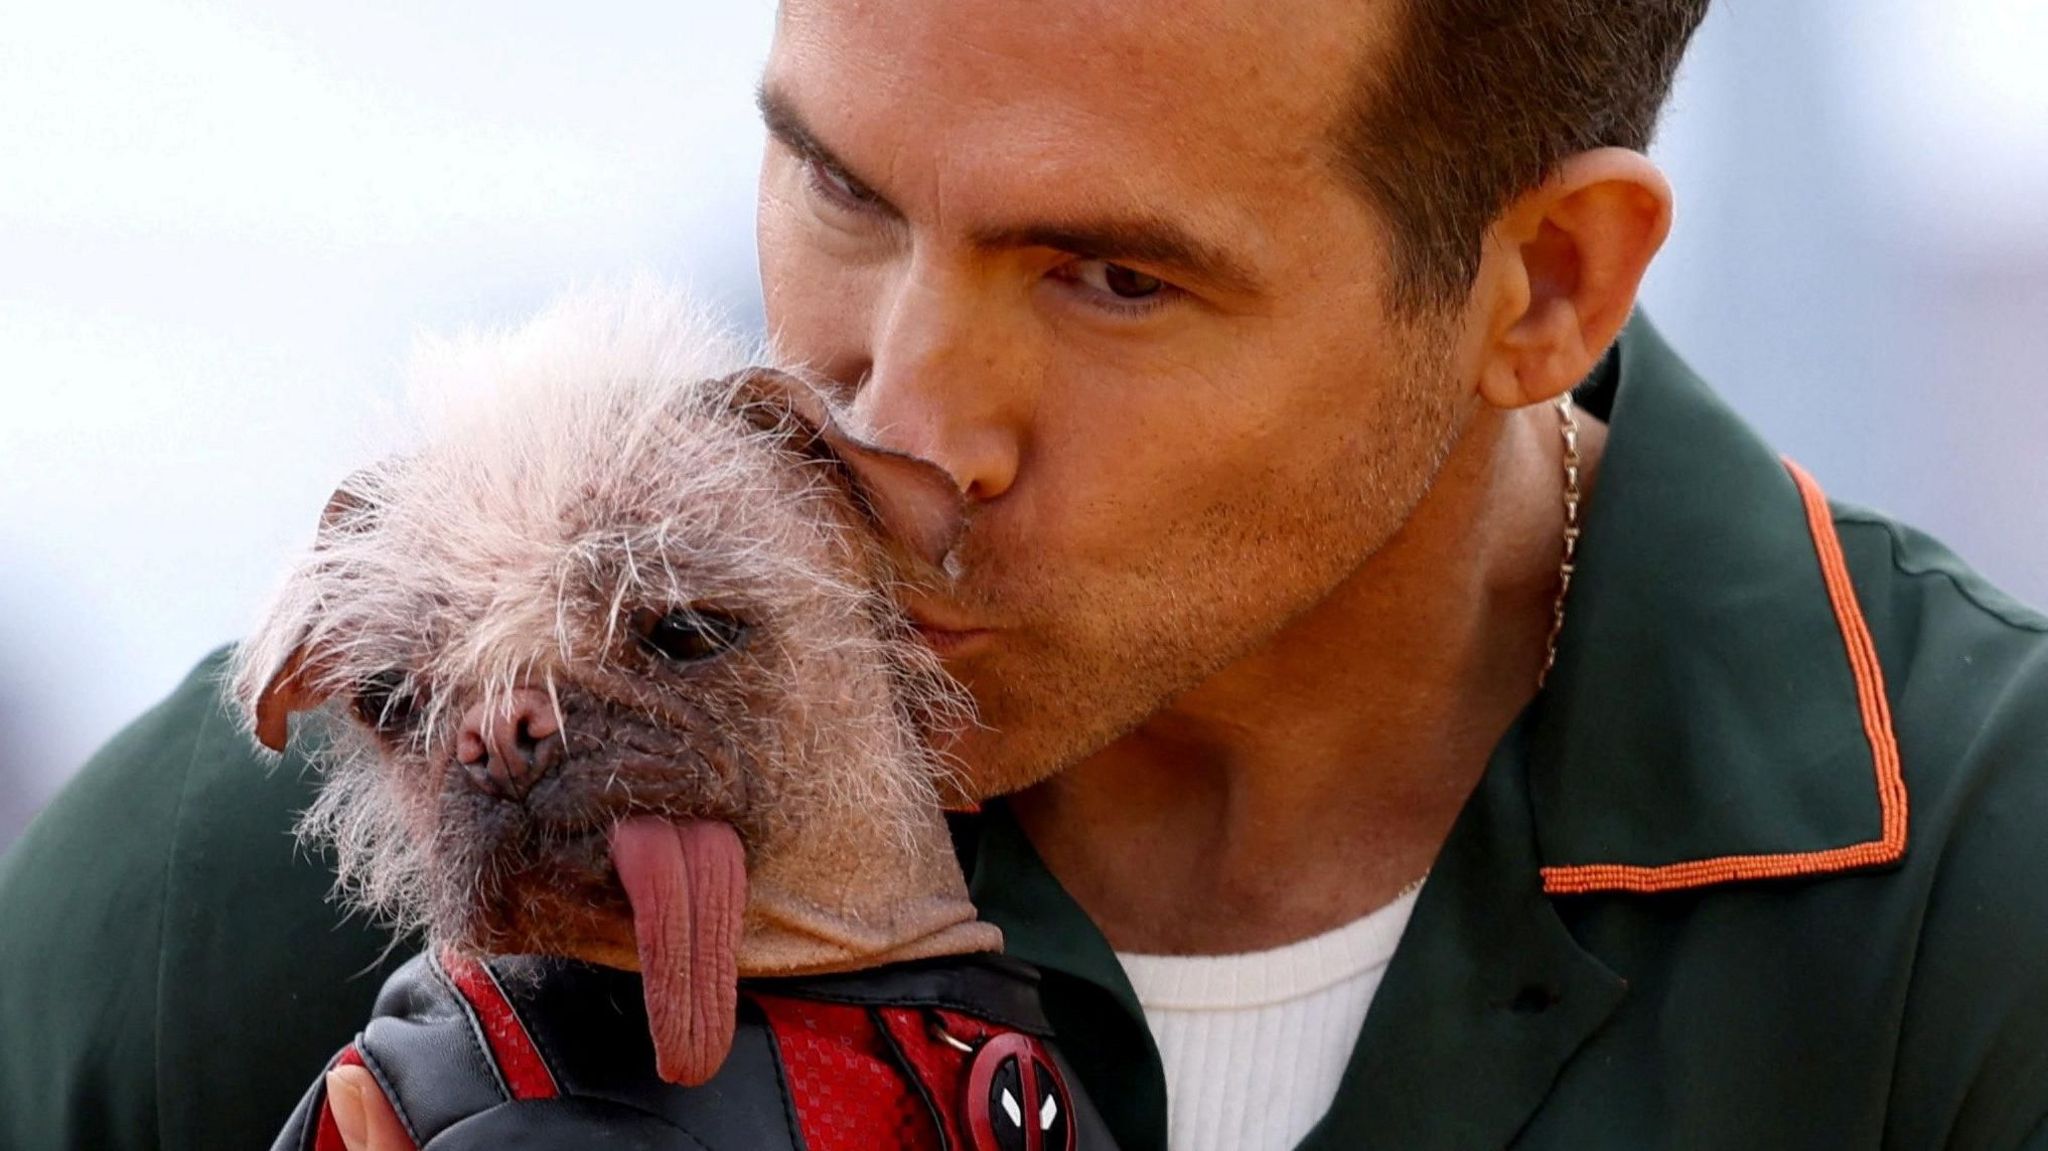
<point x="776" y="401"/>
<point x="284" y="694"/>
<point x="912" y="501"/>
<point x="351" y="510"/>
<point x="292" y="685"/>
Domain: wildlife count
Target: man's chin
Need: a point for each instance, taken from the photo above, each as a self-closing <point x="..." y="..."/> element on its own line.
<point x="1016" y="747"/>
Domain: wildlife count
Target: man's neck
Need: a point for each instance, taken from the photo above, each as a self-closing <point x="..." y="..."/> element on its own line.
<point x="1307" y="783"/>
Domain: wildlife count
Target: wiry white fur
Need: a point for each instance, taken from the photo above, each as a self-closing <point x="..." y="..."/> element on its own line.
<point x="564" y="472"/>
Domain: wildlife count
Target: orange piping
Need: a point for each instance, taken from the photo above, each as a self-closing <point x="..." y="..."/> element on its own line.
<point x="1877" y="728"/>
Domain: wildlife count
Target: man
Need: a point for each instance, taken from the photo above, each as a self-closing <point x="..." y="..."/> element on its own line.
<point x="1243" y="328"/>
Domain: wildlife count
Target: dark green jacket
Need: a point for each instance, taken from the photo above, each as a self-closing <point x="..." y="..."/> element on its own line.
<point x="1764" y="867"/>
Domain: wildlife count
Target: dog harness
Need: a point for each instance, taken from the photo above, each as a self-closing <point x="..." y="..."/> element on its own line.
<point x="519" y="1052"/>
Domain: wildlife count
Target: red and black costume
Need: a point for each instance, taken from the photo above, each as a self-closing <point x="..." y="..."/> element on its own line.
<point x="526" y="1052"/>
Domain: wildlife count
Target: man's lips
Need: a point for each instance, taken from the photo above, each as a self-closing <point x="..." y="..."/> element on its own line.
<point x="947" y="637"/>
<point x="951" y="643"/>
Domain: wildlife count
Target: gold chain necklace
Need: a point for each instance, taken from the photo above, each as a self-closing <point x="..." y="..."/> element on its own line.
<point x="1568" y="427"/>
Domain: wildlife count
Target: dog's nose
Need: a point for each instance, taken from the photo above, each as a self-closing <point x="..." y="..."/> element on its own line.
<point x="506" y="749"/>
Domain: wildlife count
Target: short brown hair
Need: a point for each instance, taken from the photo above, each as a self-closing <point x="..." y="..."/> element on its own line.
<point x="1478" y="100"/>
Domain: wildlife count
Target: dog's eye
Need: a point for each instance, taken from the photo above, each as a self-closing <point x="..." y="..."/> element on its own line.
<point x="384" y="701"/>
<point x="687" y="634"/>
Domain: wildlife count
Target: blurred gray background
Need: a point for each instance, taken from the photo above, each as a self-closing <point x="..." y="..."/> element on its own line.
<point x="223" y="221"/>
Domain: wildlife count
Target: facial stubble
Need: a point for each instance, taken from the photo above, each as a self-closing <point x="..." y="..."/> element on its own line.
<point x="1110" y="646"/>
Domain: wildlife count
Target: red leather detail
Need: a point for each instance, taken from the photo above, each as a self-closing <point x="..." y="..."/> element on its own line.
<point x="327" y="1137"/>
<point x="525" y="1072"/>
<point x="942" y="1066"/>
<point x="849" y="1091"/>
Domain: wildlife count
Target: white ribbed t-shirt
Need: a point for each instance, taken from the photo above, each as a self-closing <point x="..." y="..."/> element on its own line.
<point x="1254" y="1044"/>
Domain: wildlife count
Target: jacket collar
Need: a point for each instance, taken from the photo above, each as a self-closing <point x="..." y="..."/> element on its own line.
<point x="1717" y="712"/>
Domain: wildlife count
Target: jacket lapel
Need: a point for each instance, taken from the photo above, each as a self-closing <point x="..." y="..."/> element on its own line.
<point x="1717" y="713"/>
<point x="1484" y="1002"/>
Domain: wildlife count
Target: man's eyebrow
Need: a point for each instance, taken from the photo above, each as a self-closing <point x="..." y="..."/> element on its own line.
<point x="1144" y="239"/>
<point x="786" y="124"/>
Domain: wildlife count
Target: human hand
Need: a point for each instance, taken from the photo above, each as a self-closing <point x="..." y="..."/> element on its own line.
<point x="365" y="1118"/>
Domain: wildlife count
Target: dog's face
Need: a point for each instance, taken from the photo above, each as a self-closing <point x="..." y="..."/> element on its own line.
<point x="594" y="596"/>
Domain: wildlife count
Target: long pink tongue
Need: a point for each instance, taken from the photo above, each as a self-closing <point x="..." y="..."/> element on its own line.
<point x="688" y="885"/>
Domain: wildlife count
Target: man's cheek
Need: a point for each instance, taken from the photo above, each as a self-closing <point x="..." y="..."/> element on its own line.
<point x="815" y="313"/>
<point x="812" y="298"/>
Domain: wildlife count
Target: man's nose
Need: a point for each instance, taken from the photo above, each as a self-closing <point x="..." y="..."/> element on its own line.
<point x="947" y="383"/>
<point x="507" y="747"/>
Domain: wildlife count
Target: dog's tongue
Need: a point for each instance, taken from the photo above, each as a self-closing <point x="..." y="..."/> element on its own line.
<point x="688" y="885"/>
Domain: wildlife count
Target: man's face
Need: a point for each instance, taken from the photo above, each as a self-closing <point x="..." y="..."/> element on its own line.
<point x="1096" y="260"/>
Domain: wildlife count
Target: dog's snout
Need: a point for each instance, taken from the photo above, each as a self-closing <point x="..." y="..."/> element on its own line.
<point x="507" y="749"/>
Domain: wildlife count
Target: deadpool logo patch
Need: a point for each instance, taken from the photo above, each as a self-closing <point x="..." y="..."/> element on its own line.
<point x="1016" y="1100"/>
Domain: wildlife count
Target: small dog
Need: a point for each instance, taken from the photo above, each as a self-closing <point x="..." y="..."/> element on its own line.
<point x="614" y="672"/>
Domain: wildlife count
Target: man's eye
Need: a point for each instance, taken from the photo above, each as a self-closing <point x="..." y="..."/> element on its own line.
<point x="1117" y="288"/>
<point x="1119" y="281"/>
<point x="837" y="188"/>
<point x="686" y="635"/>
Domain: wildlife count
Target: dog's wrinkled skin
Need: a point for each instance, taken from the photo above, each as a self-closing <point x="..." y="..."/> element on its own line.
<point x="604" y="468"/>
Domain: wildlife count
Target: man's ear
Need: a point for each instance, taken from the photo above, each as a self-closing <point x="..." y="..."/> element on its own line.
<point x="1560" y="271"/>
<point x="912" y="501"/>
<point x="292" y="685"/>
